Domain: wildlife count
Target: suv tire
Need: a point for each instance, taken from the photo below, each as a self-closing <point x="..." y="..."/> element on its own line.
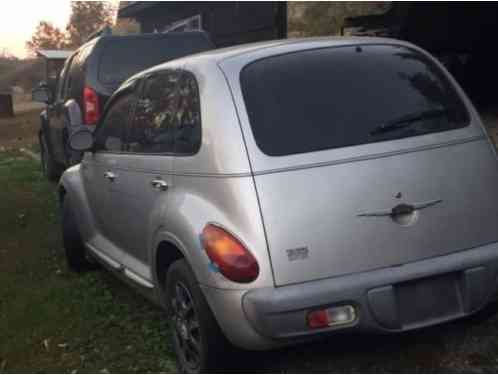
<point x="193" y="324"/>
<point x="73" y="244"/>
<point x="49" y="167"/>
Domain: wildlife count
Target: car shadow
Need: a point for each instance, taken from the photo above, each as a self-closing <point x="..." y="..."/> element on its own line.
<point x="444" y="348"/>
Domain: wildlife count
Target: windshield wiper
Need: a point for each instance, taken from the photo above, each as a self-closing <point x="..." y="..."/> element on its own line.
<point x="408" y="120"/>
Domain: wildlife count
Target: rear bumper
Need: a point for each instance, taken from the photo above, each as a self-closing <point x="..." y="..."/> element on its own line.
<point x="393" y="299"/>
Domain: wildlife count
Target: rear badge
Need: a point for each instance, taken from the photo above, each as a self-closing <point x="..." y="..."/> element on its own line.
<point x="299" y="253"/>
<point x="403" y="214"/>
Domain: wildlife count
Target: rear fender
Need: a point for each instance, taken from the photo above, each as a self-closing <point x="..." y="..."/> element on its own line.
<point x="192" y="205"/>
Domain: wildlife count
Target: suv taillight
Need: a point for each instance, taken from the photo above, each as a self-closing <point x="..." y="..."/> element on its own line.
<point x="90" y="106"/>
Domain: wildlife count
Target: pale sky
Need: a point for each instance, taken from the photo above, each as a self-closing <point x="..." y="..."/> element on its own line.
<point x="19" y="18"/>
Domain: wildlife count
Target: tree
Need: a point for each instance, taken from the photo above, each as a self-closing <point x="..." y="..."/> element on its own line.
<point x="87" y="17"/>
<point x="6" y="55"/>
<point x="317" y="18"/>
<point x="46" y="36"/>
<point x="125" y="26"/>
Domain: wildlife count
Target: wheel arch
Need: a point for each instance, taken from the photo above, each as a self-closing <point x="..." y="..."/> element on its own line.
<point x="72" y="187"/>
<point x="166" y="251"/>
<point x="165" y="255"/>
<point x="61" y="193"/>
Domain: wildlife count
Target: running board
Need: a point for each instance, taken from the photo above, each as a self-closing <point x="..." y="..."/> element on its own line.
<point x="111" y="262"/>
<point x="119" y="267"/>
<point x="138" y="279"/>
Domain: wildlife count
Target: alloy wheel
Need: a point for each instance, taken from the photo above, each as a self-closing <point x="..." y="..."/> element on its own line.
<point x="186" y="326"/>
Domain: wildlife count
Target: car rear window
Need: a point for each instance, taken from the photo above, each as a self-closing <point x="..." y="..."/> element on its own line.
<point x="122" y="58"/>
<point x="336" y="97"/>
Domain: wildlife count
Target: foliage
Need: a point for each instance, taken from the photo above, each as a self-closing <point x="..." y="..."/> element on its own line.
<point x="5" y="55"/>
<point x="46" y="36"/>
<point x="126" y="26"/>
<point x="86" y="18"/>
<point x="316" y="18"/>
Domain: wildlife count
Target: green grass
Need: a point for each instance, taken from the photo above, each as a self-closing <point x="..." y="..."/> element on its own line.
<point x="52" y="320"/>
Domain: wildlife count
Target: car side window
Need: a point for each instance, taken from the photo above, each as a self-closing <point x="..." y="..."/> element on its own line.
<point x="153" y="129"/>
<point x="111" y="133"/>
<point x="188" y="125"/>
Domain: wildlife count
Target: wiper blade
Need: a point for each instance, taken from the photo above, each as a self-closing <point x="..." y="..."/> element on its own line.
<point x="408" y="120"/>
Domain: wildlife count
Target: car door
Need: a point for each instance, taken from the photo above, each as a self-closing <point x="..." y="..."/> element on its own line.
<point x="145" y="170"/>
<point x="102" y="176"/>
<point x="56" y="114"/>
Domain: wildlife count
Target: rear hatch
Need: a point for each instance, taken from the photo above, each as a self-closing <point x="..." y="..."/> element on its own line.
<point x="365" y="157"/>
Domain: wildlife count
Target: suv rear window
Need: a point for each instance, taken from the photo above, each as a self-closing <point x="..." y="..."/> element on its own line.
<point x="336" y="97"/>
<point x="122" y="58"/>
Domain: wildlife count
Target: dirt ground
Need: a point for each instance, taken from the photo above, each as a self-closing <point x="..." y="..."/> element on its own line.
<point x="20" y="131"/>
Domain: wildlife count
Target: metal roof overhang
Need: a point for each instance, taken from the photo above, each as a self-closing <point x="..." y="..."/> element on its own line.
<point x="53" y="54"/>
<point x="135" y="7"/>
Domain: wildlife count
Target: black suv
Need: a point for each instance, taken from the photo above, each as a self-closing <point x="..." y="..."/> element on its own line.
<point x="90" y="76"/>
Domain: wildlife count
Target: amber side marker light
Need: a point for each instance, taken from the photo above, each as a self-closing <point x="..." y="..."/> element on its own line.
<point x="330" y="317"/>
<point x="231" y="258"/>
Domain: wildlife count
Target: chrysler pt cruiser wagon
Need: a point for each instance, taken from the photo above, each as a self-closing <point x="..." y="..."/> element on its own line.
<point x="273" y="193"/>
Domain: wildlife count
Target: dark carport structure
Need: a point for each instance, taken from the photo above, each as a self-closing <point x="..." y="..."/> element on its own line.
<point x="461" y="34"/>
<point x="228" y="23"/>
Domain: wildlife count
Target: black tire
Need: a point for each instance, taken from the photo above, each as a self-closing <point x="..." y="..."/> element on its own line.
<point x="213" y="347"/>
<point x="50" y="169"/>
<point x="72" y="157"/>
<point x="73" y="244"/>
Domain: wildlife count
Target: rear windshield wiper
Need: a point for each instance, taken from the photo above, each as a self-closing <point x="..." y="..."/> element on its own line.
<point x="408" y="120"/>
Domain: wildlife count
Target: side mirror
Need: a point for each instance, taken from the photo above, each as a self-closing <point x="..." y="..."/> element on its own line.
<point x="41" y="94"/>
<point x="81" y="140"/>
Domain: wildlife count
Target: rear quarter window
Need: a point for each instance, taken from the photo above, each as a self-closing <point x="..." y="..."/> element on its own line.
<point x="344" y="96"/>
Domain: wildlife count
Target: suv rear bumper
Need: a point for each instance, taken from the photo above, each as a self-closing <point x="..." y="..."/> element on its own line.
<point x="393" y="299"/>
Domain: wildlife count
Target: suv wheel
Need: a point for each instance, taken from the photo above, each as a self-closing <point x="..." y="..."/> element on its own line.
<point x="49" y="167"/>
<point x="199" y="344"/>
<point x="73" y="244"/>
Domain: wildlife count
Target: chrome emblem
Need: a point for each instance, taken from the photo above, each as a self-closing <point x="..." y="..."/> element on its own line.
<point x="402" y="214"/>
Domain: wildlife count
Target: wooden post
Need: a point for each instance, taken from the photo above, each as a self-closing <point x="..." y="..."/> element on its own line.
<point x="6" y="105"/>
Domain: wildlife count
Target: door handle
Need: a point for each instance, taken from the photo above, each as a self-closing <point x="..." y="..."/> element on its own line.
<point x="159" y="184"/>
<point x="110" y="176"/>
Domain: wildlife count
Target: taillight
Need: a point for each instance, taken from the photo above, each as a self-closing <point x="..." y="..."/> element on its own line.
<point x="231" y="258"/>
<point x="90" y="106"/>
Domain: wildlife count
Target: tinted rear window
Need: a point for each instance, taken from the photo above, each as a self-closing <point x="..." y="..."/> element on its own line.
<point x="122" y="58"/>
<point x="336" y="97"/>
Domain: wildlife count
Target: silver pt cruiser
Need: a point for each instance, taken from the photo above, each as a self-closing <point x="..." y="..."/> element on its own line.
<point x="271" y="193"/>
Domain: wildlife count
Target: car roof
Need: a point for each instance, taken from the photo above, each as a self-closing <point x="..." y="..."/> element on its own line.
<point x="218" y="55"/>
<point x="172" y="34"/>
